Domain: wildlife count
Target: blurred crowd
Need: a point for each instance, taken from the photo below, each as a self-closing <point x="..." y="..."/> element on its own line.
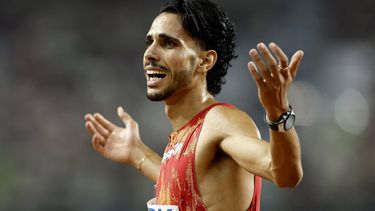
<point x="62" y="59"/>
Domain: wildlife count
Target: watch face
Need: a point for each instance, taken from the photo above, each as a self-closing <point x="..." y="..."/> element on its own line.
<point x="289" y="123"/>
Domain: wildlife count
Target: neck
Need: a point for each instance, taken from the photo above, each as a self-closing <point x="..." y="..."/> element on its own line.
<point x="184" y="106"/>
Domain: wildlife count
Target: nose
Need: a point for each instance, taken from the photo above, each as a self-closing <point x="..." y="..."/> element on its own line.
<point x="152" y="53"/>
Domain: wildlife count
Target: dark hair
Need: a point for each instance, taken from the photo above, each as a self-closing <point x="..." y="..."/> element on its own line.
<point x="210" y="26"/>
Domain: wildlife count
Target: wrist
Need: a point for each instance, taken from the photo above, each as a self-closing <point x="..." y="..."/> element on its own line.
<point x="283" y="123"/>
<point x="138" y="153"/>
<point x="140" y="163"/>
<point x="274" y="114"/>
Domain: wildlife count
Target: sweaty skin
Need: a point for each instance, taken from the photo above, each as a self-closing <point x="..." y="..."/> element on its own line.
<point x="229" y="150"/>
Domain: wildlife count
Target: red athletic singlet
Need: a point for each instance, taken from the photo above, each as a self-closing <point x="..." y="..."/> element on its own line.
<point x="177" y="184"/>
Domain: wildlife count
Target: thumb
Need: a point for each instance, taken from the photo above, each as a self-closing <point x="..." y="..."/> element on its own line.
<point x="125" y="117"/>
<point x="295" y="61"/>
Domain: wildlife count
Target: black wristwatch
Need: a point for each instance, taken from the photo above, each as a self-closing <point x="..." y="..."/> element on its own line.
<point x="285" y="123"/>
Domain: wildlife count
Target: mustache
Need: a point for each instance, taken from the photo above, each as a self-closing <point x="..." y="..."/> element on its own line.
<point x="156" y="65"/>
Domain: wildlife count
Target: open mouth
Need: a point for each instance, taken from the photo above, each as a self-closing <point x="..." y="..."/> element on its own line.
<point x="155" y="75"/>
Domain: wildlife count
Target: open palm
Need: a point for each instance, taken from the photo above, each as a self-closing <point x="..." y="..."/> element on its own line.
<point x="113" y="142"/>
<point x="273" y="75"/>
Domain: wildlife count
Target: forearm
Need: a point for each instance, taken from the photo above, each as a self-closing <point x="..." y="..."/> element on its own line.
<point x="146" y="161"/>
<point x="286" y="158"/>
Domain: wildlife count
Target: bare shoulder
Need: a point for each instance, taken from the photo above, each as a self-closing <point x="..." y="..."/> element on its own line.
<point x="230" y="121"/>
<point x="224" y="123"/>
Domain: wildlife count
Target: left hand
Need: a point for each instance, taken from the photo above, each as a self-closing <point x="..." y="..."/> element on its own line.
<point x="273" y="76"/>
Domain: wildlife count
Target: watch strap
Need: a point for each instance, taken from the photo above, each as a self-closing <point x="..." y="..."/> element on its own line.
<point x="280" y="124"/>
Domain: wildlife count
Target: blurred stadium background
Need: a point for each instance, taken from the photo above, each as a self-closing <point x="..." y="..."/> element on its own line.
<point x="62" y="59"/>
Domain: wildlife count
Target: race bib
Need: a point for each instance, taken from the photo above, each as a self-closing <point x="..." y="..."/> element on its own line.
<point x="152" y="206"/>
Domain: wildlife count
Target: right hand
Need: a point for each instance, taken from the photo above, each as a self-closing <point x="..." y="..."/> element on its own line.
<point x="114" y="142"/>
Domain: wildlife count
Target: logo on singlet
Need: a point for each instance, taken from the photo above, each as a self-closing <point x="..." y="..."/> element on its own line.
<point x="172" y="152"/>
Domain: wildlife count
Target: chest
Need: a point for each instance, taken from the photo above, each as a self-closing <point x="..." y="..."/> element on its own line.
<point x="177" y="183"/>
<point x="189" y="152"/>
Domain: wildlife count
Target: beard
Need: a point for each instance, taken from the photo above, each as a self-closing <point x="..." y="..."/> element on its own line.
<point x="160" y="95"/>
<point x="181" y="80"/>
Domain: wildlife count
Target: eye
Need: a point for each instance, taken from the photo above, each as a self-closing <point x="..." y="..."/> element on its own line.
<point x="170" y="44"/>
<point x="148" y="43"/>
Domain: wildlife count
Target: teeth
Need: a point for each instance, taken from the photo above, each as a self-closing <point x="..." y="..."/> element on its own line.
<point x="154" y="72"/>
<point x="154" y="79"/>
<point x="154" y="75"/>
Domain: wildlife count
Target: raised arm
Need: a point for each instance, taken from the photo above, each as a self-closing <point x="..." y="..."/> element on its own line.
<point x="280" y="159"/>
<point x="273" y="76"/>
<point x="122" y="144"/>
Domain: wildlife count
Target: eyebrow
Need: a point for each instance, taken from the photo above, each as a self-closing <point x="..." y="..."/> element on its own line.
<point x="165" y="37"/>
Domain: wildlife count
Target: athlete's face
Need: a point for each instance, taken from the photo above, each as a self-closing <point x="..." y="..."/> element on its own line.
<point x="170" y="59"/>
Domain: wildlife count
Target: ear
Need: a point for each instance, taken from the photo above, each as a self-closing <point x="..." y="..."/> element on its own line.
<point x="207" y="60"/>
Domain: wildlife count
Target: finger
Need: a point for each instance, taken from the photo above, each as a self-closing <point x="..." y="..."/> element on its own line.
<point x="95" y="133"/>
<point x="87" y="117"/>
<point x="257" y="59"/>
<point x="280" y="55"/>
<point x="254" y="73"/>
<point x="90" y="125"/>
<point x="99" y="129"/>
<point x="262" y="67"/>
<point x="270" y="60"/>
<point x="109" y="126"/>
<point x="97" y="143"/>
<point x="100" y="139"/>
<point x="295" y="62"/>
<point x="283" y="61"/>
<point x="90" y="128"/>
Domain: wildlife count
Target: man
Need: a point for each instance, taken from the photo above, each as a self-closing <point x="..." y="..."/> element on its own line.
<point x="215" y="156"/>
